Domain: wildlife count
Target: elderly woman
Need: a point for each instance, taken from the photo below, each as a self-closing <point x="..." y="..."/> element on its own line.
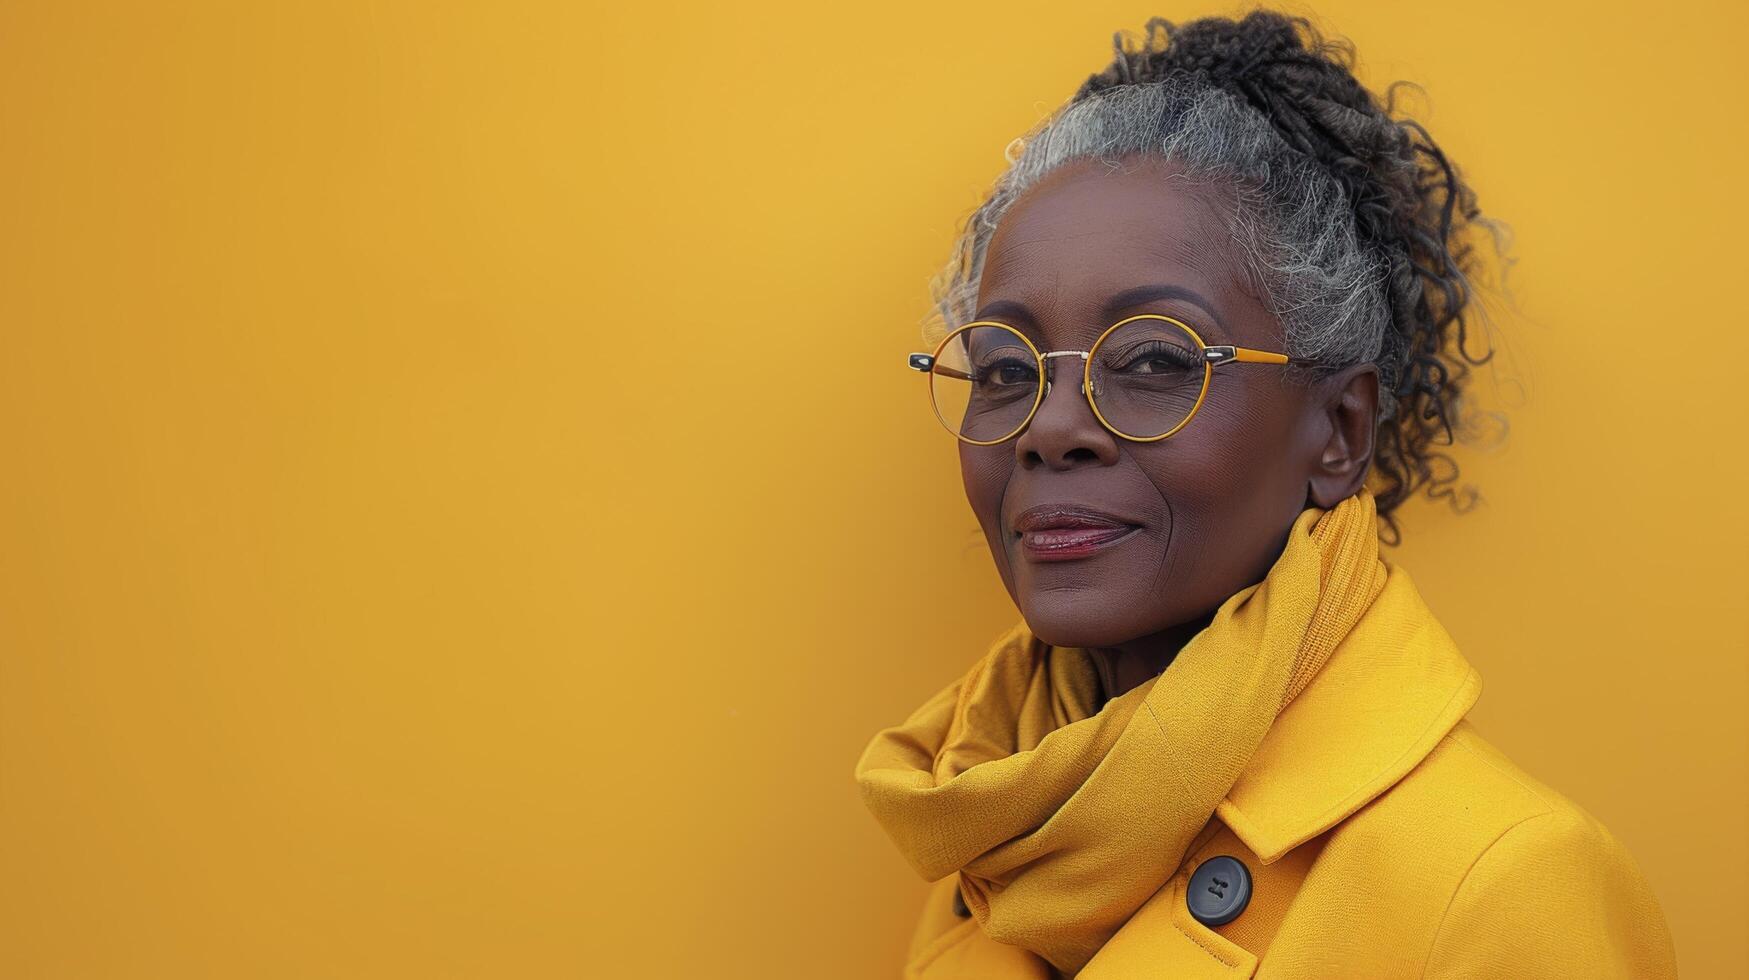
<point x="1201" y="341"/>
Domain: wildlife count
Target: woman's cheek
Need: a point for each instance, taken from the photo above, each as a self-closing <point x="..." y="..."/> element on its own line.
<point x="985" y="472"/>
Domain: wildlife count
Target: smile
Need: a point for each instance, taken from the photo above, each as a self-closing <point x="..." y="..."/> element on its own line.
<point x="1067" y="543"/>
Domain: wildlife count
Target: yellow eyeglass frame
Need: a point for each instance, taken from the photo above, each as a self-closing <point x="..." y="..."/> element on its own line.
<point x="1212" y="357"/>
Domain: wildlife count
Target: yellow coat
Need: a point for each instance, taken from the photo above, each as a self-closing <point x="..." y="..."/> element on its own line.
<point x="1385" y="837"/>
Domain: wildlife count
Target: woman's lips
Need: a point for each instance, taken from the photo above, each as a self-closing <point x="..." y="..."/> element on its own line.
<point x="1064" y="531"/>
<point x="1066" y="543"/>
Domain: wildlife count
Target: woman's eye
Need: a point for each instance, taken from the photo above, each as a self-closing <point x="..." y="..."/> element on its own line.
<point x="1164" y="360"/>
<point x="1005" y="373"/>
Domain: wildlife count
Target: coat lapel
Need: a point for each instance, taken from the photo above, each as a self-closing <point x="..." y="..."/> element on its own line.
<point x="1391" y="690"/>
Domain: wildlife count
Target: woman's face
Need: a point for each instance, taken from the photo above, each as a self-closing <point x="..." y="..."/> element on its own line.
<point x="1208" y="508"/>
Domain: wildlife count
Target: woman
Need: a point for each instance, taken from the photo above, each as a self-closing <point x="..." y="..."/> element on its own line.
<point x="1203" y="337"/>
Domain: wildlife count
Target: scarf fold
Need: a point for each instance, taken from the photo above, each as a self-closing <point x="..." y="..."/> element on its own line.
<point x="1063" y="815"/>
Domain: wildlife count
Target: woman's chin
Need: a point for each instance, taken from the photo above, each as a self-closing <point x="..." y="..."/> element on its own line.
<point x="1070" y="619"/>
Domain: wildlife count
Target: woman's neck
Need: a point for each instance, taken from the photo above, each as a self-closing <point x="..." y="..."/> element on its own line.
<point x="1126" y="666"/>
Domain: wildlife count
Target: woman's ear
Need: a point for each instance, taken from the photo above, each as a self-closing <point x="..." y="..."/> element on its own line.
<point x="1351" y="411"/>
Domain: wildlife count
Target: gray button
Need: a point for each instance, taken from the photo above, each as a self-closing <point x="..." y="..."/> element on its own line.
<point x="1219" y="889"/>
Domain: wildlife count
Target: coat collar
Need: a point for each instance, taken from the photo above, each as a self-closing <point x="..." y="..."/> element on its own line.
<point x="1391" y="690"/>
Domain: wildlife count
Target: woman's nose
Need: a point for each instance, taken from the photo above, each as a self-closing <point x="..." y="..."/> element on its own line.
<point x="1064" y="432"/>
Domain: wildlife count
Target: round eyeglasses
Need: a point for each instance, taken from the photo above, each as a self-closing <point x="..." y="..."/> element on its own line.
<point x="1144" y="378"/>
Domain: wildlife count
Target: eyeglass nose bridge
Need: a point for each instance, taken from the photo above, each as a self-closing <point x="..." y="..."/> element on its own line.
<point x="1047" y="355"/>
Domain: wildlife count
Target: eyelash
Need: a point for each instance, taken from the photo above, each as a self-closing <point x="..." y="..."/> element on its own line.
<point x="1170" y="352"/>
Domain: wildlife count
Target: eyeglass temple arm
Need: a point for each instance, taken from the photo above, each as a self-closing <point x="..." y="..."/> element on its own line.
<point x="1249" y="355"/>
<point x="926" y="363"/>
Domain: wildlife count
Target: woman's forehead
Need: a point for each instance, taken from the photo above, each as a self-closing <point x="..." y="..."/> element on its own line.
<point x="1079" y="238"/>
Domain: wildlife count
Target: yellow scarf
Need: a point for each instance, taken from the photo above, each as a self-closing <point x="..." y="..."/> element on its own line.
<point x="1063" y="816"/>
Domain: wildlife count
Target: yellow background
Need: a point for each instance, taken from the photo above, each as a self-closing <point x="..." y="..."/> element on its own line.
<point x="464" y="510"/>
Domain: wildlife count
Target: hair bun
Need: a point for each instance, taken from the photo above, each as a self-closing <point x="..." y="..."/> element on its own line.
<point x="1232" y="50"/>
<point x="1223" y="51"/>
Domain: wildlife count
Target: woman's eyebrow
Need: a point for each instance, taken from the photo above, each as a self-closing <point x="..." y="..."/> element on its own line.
<point x="1119" y="302"/>
<point x="1138" y="295"/>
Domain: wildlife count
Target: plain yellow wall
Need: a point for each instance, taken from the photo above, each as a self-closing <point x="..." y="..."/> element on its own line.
<point x="464" y="510"/>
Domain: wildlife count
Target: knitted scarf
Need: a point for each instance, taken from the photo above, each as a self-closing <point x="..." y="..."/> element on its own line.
<point x="1063" y="815"/>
